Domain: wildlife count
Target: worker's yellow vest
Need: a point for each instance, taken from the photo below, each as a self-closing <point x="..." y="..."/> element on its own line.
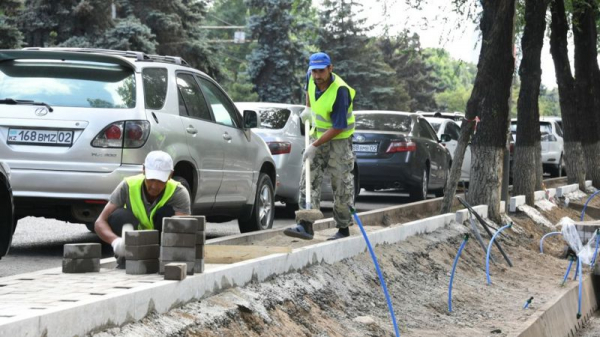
<point x="137" y="204"/>
<point x="321" y="118"/>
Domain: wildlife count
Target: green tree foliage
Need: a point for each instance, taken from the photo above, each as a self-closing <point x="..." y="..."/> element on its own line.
<point x="356" y="57"/>
<point x="10" y="36"/>
<point x="404" y="55"/>
<point x="130" y="34"/>
<point x="275" y="64"/>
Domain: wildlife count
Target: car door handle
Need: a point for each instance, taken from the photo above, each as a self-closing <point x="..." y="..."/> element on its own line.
<point x="226" y="136"/>
<point x="191" y="130"/>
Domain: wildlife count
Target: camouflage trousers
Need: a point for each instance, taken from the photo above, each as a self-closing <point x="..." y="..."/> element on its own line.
<point x="336" y="158"/>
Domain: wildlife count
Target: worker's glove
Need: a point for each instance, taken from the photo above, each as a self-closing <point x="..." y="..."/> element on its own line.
<point x="306" y="114"/>
<point x="309" y="153"/>
<point x="118" y="246"/>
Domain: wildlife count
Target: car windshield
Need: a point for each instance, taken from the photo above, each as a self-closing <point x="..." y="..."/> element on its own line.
<point x="273" y="118"/>
<point x="69" y="83"/>
<point x="383" y="122"/>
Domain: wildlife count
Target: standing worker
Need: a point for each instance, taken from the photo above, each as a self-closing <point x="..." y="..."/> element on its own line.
<point x="329" y="102"/>
<point x="142" y="201"/>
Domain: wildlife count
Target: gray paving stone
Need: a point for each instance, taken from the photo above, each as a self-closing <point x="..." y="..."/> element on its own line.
<point x="140" y="267"/>
<point x="175" y="271"/>
<point x="80" y="265"/>
<point x="178" y="253"/>
<point x="199" y="266"/>
<point x="141" y="237"/>
<point x="142" y="252"/>
<point x="190" y="266"/>
<point x="200" y="237"/>
<point x="180" y="225"/>
<point x="82" y="251"/>
<point x="201" y="220"/>
<point x="200" y="252"/>
<point x="178" y="240"/>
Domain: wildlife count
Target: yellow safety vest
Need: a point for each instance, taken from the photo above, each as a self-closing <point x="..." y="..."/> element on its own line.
<point x="137" y="204"/>
<point x="323" y="107"/>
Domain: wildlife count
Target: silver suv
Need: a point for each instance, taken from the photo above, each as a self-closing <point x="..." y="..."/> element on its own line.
<point x="75" y="122"/>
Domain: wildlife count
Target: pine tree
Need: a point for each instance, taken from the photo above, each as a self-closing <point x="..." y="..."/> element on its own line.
<point x="276" y="66"/>
<point x="10" y="36"/>
<point x="356" y="58"/>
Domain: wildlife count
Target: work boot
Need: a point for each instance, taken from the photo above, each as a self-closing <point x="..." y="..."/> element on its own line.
<point x="303" y="230"/>
<point x="341" y="233"/>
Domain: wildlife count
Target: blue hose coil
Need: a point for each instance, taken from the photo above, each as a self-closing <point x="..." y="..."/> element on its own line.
<point x="585" y="205"/>
<point x="385" y="291"/>
<point x="454" y="269"/>
<point x="489" y="252"/>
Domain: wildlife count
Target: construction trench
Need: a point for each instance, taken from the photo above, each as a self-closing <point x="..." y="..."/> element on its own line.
<point x="342" y="295"/>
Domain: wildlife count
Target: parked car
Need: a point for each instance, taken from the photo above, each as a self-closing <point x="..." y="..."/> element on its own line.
<point x="75" y="122"/>
<point x="552" y="145"/>
<point x="452" y="129"/>
<point x="283" y="131"/>
<point x="456" y="116"/>
<point x="7" y="214"/>
<point x="400" y="150"/>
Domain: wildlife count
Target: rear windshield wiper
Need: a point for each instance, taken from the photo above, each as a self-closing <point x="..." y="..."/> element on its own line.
<point x="12" y="101"/>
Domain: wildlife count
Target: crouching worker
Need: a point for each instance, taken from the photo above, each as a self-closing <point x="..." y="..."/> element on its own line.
<point x="141" y="202"/>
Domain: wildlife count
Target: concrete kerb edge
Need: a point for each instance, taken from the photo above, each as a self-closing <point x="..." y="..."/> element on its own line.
<point x="118" y="309"/>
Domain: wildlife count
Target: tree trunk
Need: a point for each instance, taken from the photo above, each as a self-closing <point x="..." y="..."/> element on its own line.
<point x="586" y="69"/>
<point x="527" y="147"/>
<point x="489" y="102"/>
<point x="573" y="152"/>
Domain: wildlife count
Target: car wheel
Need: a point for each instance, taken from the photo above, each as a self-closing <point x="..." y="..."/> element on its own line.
<point x="7" y="220"/>
<point x="419" y="192"/>
<point x="185" y="184"/>
<point x="263" y="209"/>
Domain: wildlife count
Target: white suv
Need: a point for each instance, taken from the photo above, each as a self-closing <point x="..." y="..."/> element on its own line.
<point x="551" y="143"/>
<point x="75" y="122"/>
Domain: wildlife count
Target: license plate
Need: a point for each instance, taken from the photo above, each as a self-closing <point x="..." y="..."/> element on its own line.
<point x="40" y="137"/>
<point x="364" y="147"/>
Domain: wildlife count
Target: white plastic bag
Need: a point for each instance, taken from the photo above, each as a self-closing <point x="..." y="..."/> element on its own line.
<point x="570" y="234"/>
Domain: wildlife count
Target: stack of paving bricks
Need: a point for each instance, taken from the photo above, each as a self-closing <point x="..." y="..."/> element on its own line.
<point x="81" y="258"/>
<point x="178" y="242"/>
<point x="141" y="252"/>
<point x="587" y="229"/>
<point x="200" y="242"/>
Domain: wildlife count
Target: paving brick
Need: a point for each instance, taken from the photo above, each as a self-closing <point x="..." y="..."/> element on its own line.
<point x="178" y="240"/>
<point x="200" y="251"/>
<point x="175" y="271"/>
<point x="200" y="238"/>
<point x="190" y="266"/>
<point x="178" y="253"/>
<point x="140" y="267"/>
<point x="81" y="265"/>
<point x="199" y="266"/>
<point x="82" y="251"/>
<point x="142" y="252"/>
<point x="141" y="238"/>
<point x="180" y="225"/>
<point x="201" y="220"/>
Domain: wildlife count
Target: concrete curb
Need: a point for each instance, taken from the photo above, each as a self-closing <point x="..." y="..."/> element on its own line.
<point x="558" y="318"/>
<point x="130" y="305"/>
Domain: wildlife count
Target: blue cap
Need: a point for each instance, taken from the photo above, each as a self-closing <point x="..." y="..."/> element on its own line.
<point x="318" y="61"/>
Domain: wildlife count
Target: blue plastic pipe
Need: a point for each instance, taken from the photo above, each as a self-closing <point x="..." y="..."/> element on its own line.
<point x="576" y="270"/>
<point x="568" y="271"/>
<point x="544" y="238"/>
<point x="580" y="287"/>
<point x="528" y="302"/>
<point x="489" y="252"/>
<point x="454" y="269"/>
<point x="596" y="250"/>
<point x="585" y="205"/>
<point x="385" y="291"/>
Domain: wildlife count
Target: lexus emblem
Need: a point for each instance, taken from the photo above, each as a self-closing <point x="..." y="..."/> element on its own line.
<point x="41" y="111"/>
<point x="360" y="139"/>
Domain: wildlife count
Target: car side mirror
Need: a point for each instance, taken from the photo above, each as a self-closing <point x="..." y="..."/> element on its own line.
<point x="251" y="119"/>
<point x="445" y="138"/>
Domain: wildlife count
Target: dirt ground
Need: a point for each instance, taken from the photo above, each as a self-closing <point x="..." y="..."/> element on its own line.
<point x="345" y="299"/>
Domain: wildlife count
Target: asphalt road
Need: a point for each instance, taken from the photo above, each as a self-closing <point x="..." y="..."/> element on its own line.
<point x="38" y="242"/>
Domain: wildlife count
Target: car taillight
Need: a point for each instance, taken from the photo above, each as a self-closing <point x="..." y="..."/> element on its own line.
<point x="280" y="147"/>
<point x="135" y="135"/>
<point x="396" y="146"/>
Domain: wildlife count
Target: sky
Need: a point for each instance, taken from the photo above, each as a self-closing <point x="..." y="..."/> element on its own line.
<point x="436" y="25"/>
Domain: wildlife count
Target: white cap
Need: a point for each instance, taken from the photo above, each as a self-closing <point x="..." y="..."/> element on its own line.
<point x="158" y="165"/>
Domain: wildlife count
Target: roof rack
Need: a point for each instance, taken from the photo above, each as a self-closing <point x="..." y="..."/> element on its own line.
<point x="139" y="56"/>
